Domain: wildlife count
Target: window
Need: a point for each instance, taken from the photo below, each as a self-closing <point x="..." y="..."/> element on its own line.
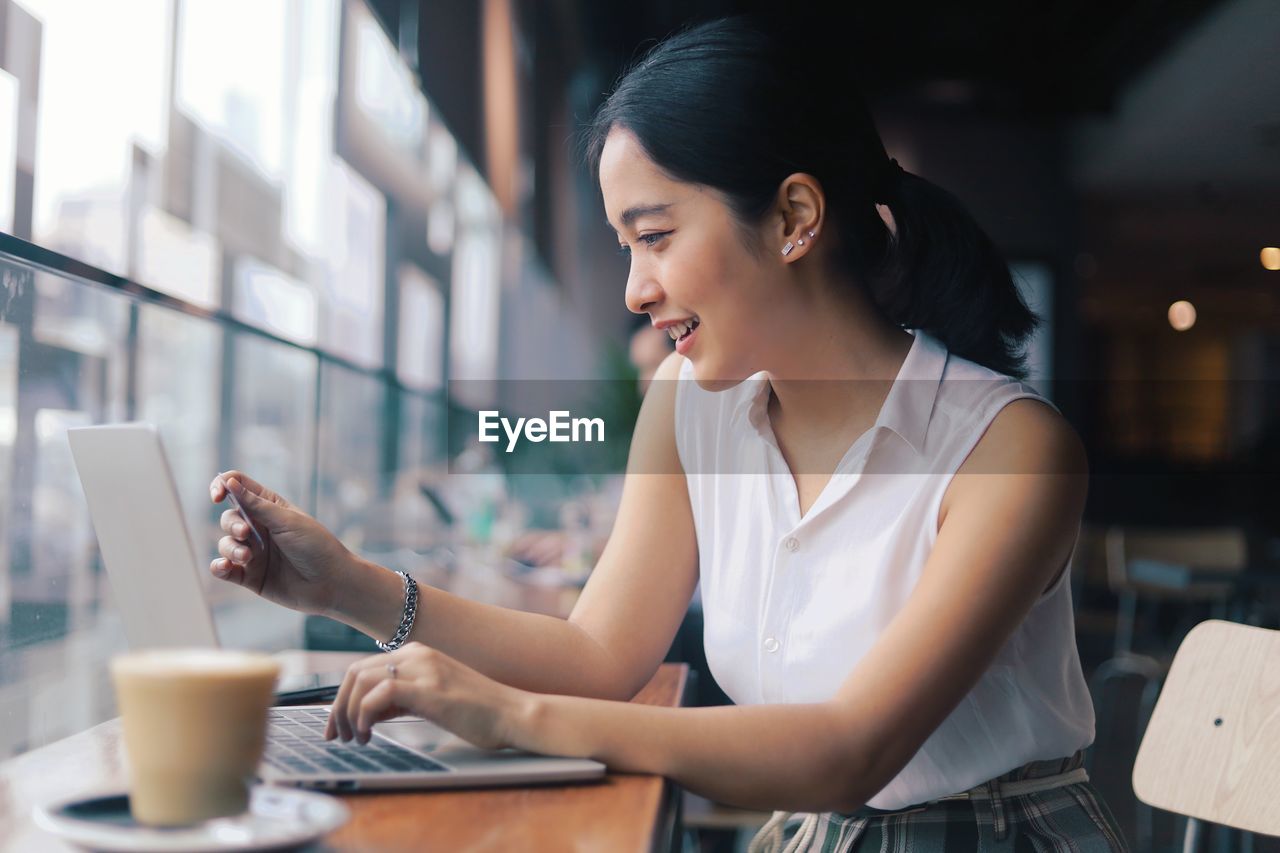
<point x="421" y="330"/>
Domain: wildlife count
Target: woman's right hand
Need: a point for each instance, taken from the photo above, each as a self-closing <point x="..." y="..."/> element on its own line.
<point x="299" y="563"/>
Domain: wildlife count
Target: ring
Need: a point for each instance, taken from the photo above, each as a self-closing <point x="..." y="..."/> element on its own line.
<point x="391" y="668"/>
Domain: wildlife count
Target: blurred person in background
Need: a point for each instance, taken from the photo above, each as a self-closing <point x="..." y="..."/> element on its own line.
<point x="647" y="349"/>
<point x="900" y="645"/>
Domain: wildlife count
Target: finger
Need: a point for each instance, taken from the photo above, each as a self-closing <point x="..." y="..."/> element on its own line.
<point x="382" y="702"/>
<point x="256" y="505"/>
<point x="354" y="686"/>
<point x="227" y="571"/>
<point x="234" y="551"/>
<point x="232" y="522"/>
<point x="368" y="679"/>
<point x="332" y="728"/>
<point x="253" y="486"/>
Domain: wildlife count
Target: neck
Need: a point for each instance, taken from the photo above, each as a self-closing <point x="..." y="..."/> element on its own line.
<point x="839" y="369"/>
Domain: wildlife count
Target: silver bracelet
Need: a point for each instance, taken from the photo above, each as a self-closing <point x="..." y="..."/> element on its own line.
<point x="406" y="620"/>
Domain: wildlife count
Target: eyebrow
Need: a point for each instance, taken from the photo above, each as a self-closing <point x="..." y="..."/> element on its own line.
<point x="631" y="214"/>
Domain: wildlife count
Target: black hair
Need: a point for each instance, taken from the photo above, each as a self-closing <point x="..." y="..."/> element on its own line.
<point x="737" y="105"/>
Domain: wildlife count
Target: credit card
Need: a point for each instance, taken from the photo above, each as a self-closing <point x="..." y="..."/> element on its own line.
<point x="235" y="503"/>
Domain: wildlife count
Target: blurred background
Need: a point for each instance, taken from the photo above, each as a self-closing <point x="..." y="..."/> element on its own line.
<point x="302" y="235"/>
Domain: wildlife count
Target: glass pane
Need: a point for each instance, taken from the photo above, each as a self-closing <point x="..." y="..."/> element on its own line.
<point x="103" y="90"/>
<point x="310" y="128"/>
<point x="231" y="74"/>
<point x="176" y="259"/>
<point x="63" y="363"/>
<point x="273" y="415"/>
<point x="352" y="414"/>
<point x="421" y="432"/>
<point x="179" y="373"/>
<point x="421" y="333"/>
<point x="269" y="299"/>
<point x="8" y="147"/>
<point x="417" y="488"/>
<point x="474" y="293"/>
<point x="355" y="281"/>
<point x="385" y="89"/>
<point x="8" y="432"/>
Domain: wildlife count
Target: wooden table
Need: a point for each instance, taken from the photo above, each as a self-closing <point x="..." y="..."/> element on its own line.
<point x="622" y="813"/>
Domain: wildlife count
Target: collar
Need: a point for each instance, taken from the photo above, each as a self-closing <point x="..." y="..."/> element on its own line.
<point x="909" y="406"/>
<point x="906" y="410"/>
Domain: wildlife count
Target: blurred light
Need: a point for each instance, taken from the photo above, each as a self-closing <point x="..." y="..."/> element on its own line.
<point x="1271" y="258"/>
<point x="1182" y="315"/>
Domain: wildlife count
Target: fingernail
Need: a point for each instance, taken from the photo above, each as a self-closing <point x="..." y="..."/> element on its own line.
<point x="221" y="570"/>
<point x="241" y="530"/>
<point x="241" y="554"/>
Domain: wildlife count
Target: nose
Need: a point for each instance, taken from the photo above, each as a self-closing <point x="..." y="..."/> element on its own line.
<point x="642" y="291"/>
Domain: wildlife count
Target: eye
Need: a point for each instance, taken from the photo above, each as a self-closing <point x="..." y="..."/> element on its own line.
<point x="647" y="239"/>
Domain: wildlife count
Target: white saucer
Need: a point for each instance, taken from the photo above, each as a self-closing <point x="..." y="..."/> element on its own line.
<point x="277" y="817"/>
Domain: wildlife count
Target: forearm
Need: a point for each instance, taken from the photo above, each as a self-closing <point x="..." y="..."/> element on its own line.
<point x="530" y="651"/>
<point x="790" y="757"/>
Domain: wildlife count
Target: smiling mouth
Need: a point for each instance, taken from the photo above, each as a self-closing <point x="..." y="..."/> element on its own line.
<point x="682" y="330"/>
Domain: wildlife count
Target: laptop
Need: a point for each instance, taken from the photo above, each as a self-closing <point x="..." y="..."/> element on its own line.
<point x="133" y="502"/>
<point x="143" y="538"/>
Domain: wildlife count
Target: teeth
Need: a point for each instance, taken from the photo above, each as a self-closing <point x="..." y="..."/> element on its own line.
<point x="683" y="327"/>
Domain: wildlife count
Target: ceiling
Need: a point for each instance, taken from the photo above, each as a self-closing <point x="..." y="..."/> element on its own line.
<point x="1155" y="93"/>
<point x="1055" y="56"/>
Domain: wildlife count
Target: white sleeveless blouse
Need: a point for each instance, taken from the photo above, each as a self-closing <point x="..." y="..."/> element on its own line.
<point x="792" y="604"/>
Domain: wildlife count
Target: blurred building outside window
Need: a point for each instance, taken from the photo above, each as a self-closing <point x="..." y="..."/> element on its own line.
<point x="8" y="146"/>
<point x="194" y="147"/>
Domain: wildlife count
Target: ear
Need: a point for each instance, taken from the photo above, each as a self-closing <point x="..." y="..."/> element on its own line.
<point x="801" y="209"/>
<point x="887" y="216"/>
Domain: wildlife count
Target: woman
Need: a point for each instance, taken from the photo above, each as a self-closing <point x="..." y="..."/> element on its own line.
<point x="894" y="623"/>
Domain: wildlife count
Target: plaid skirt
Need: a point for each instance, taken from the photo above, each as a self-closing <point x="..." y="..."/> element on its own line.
<point x="1071" y="818"/>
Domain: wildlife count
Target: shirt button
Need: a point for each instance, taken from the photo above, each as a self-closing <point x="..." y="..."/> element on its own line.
<point x="771" y="645"/>
<point x="791" y="543"/>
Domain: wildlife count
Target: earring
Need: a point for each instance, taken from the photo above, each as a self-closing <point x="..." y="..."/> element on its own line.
<point x="811" y="234"/>
<point x="800" y="242"/>
<point x="786" y="250"/>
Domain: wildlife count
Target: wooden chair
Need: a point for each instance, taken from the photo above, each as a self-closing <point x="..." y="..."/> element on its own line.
<point x="1158" y="565"/>
<point x="1212" y="749"/>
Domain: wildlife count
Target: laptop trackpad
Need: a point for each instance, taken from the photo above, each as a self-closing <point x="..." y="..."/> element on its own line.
<point x="417" y="733"/>
<point x="426" y="736"/>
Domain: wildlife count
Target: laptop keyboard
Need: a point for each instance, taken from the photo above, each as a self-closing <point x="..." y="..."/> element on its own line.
<point x="296" y="744"/>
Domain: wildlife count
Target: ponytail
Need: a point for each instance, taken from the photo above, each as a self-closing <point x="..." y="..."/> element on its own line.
<point x="942" y="274"/>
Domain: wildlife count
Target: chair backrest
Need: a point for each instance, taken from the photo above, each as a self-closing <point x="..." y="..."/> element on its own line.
<point x="1212" y="748"/>
<point x="1214" y="548"/>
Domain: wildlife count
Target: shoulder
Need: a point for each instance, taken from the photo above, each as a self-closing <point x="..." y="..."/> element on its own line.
<point x="653" y="442"/>
<point x="1025" y="434"/>
<point x="1029" y="436"/>
<point x="1042" y="463"/>
<point x="1037" y="452"/>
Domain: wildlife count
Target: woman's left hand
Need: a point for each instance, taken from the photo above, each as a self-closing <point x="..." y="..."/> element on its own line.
<point x="421" y="681"/>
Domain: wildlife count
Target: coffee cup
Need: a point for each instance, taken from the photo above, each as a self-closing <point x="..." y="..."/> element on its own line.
<point x="194" y="726"/>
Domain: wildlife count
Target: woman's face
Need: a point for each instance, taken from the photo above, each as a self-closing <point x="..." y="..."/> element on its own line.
<point x="688" y="264"/>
